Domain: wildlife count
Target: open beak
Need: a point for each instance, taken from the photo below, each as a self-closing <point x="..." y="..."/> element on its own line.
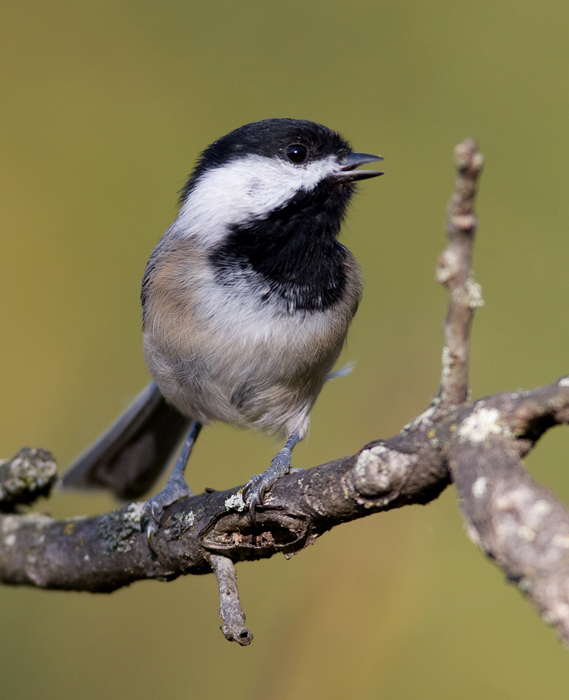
<point x="348" y="167"/>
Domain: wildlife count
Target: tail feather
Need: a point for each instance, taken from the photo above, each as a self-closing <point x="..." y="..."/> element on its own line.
<point x="132" y="454"/>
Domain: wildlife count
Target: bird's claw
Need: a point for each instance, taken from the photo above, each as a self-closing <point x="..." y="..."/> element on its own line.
<point x="253" y="495"/>
<point x="153" y="509"/>
<point x="256" y="488"/>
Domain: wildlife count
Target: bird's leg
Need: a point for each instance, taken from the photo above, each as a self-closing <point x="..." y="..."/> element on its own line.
<point x="176" y="488"/>
<point x="257" y="486"/>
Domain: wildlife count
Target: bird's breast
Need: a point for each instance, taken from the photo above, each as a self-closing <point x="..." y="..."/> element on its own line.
<point x="239" y="352"/>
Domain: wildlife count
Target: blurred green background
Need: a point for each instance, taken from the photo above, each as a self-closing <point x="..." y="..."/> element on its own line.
<point x="104" y="108"/>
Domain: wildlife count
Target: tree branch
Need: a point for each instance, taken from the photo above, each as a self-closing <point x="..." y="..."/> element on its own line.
<point x="454" y="271"/>
<point x="25" y="478"/>
<point x="476" y="444"/>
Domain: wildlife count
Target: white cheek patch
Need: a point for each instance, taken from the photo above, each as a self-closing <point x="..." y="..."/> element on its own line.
<point x="244" y="190"/>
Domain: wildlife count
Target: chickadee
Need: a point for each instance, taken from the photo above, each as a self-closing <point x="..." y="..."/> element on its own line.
<point x="247" y="300"/>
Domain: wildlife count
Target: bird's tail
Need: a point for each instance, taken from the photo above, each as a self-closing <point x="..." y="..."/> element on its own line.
<point x="131" y="455"/>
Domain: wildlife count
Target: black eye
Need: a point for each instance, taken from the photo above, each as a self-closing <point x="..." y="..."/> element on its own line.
<point x="296" y="152"/>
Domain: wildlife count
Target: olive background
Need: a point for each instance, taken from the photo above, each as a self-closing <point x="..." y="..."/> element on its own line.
<point x="104" y="108"/>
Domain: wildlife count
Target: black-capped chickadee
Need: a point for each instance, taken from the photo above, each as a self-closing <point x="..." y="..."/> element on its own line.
<point x="247" y="300"/>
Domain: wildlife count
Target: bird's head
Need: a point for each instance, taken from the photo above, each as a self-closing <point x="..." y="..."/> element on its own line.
<point x="266" y="167"/>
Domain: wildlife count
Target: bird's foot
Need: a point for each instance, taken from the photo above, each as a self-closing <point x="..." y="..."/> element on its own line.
<point x="175" y="490"/>
<point x="258" y="485"/>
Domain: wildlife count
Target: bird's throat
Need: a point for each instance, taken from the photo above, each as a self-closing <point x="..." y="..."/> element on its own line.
<point x="293" y="251"/>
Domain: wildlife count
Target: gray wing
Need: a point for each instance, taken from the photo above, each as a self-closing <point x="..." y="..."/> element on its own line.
<point x="132" y="454"/>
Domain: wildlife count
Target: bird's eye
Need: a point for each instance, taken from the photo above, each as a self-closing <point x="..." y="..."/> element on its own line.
<point x="296" y="152"/>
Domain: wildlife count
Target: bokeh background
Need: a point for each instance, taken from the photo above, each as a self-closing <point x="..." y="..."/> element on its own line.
<point x="104" y="107"/>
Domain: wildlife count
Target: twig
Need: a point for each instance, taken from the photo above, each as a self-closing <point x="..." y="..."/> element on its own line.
<point x="230" y="609"/>
<point x="454" y="271"/>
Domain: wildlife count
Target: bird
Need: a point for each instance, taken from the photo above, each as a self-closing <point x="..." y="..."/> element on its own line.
<point x="246" y="303"/>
